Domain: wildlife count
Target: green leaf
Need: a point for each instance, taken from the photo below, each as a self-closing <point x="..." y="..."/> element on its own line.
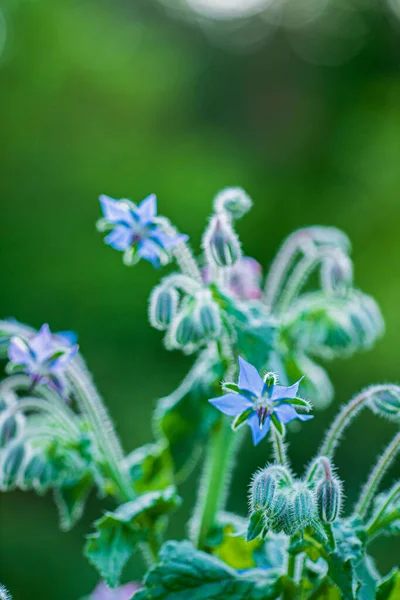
<point x="368" y="577"/>
<point x="70" y="500"/>
<point x="228" y="542"/>
<point x="389" y="587"/>
<point x="350" y="537"/>
<point x="185" y="573"/>
<point x="185" y="418"/>
<point x="150" y="467"/>
<point x="256" y="525"/>
<point x="387" y="503"/>
<point x="118" y="533"/>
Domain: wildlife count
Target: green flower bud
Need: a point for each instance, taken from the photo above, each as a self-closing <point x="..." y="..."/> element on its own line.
<point x="33" y="471"/>
<point x="8" y="430"/>
<point x="303" y="506"/>
<point x="163" y="306"/>
<point x="12" y="460"/>
<point x="233" y="201"/>
<point x="329" y="499"/>
<point x="386" y="403"/>
<point x="262" y="491"/>
<point x="208" y="319"/>
<point x="278" y="513"/>
<point x="183" y="332"/>
<point x="221" y="243"/>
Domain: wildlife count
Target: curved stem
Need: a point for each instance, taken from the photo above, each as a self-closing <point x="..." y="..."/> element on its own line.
<point x="280" y="267"/>
<point x="56" y="411"/>
<point x="182" y="252"/>
<point x="376" y="476"/>
<point x="344" y="418"/>
<point x="297" y="280"/>
<point x="93" y="407"/>
<point x="376" y="522"/>
<point x="214" y="481"/>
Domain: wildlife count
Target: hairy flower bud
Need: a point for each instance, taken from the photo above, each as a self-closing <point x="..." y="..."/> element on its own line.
<point x="208" y="319"/>
<point x="233" y="201"/>
<point x="386" y="403"/>
<point x="262" y="491"/>
<point x="163" y="306"/>
<point x="329" y="499"/>
<point x="303" y="506"/>
<point x="183" y="332"/>
<point x="12" y="460"/>
<point x="278" y="513"/>
<point x="9" y="428"/>
<point x="221" y="243"/>
<point x="337" y="272"/>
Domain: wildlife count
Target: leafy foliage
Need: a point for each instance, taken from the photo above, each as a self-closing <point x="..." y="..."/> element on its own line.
<point x="119" y="533"/>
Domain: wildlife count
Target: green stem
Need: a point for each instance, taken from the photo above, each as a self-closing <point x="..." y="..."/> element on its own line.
<point x="94" y="409"/>
<point x="214" y="481"/>
<point x="376" y="476"/>
<point x="291" y="566"/>
<point x="278" y="443"/>
<point x="377" y="522"/>
<point x="343" y="420"/>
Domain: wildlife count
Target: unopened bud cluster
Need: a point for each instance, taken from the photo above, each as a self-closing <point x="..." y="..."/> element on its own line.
<point x="280" y="504"/>
<point x="189" y="322"/>
<point x="233" y="201"/>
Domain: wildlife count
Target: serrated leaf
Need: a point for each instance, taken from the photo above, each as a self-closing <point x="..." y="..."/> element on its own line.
<point x="185" y="573"/>
<point x="150" y="467"/>
<point x="185" y="418"/>
<point x="118" y="533"/>
<point x="350" y="537"/>
<point x="367" y="579"/>
<point x="70" y="500"/>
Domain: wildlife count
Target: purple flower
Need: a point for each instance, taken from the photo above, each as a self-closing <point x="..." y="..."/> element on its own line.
<point x="43" y="356"/>
<point x="124" y="592"/>
<point x="259" y="401"/>
<point x="135" y="229"/>
<point x="243" y="278"/>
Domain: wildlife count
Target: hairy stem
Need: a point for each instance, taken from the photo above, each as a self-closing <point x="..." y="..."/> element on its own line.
<point x="344" y="418"/>
<point x="279" y="447"/>
<point x="58" y="412"/>
<point x="94" y="409"/>
<point x="377" y="521"/>
<point x="182" y="253"/>
<point x="214" y="481"/>
<point x="376" y="476"/>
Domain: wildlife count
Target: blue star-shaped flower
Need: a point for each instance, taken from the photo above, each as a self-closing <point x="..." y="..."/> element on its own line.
<point x="44" y="356"/>
<point x="259" y="402"/>
<point x="135" y="228"/>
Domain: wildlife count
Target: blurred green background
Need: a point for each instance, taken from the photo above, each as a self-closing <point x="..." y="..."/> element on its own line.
<point x="128" y="98"/>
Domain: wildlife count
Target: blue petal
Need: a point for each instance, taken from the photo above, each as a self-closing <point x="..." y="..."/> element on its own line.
<point x="18" y="351"/>
<point x="231" y="404"/>
<point x="42" y="343"/>
<point x="69" y="337"/>
<point x="280" y="392"/>
<point x="168" y="241"/>
<point x="286" y="413"/>
<point x="249" y="379"/>
<point x="149" y="251"/>
<point x="147" y="209"/>
<point x="115" y="211"/>
<point x="120" y="238"/>
<point x="256" y="433"/>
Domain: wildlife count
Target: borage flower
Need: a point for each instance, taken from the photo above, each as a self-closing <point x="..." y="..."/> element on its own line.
<point x="135" y="230"/>
<point x="260" y="401"/>
<point x="123" y="592"/>
<point x="43" y="357"/>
